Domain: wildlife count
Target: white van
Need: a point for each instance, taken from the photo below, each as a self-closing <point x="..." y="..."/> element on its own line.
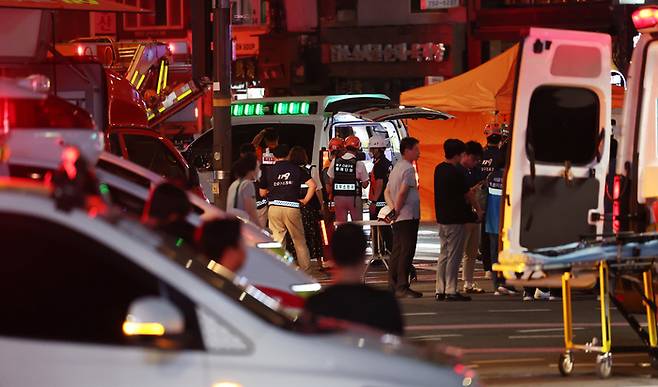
<point x="310" y="122"/>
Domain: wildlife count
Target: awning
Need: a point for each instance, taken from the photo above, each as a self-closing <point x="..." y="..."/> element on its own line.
<point x="64" y="5"/>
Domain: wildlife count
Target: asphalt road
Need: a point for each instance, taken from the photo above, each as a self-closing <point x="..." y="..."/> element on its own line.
<point x="509" y="342"/>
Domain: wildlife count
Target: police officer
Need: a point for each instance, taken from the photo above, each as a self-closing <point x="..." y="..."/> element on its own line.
<point x="269" y="137"/>
<point x="347" y="177"/>
<point x="280" y="185"/>
<point x="378" y="180"/>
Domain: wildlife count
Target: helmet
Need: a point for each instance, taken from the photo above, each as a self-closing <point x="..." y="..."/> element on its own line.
<point x="352" y="142"/>
<point x="336" y="144"/>
<point x="378" y="141"/>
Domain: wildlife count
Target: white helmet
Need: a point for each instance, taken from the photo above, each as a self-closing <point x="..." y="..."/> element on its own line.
<point x="378" y="141"/>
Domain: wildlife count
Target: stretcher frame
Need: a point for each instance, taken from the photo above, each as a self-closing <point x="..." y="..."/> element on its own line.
<point x="606" y="296"/>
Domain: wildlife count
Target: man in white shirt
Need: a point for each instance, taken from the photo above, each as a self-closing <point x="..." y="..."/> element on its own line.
<point x="402" y="196"/>
<point x="347" y="177"/>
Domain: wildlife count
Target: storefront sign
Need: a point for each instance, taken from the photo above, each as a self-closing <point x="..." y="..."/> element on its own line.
<point x="401" y="52"/>
<point x="103" y="23"/>
<point x="438" y="4"/>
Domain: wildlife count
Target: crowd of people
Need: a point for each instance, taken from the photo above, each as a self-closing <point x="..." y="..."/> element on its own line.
<point x="276" y="188"/>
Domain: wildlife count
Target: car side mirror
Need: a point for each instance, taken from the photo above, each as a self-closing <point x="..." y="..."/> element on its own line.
<point x="153" y="318"/>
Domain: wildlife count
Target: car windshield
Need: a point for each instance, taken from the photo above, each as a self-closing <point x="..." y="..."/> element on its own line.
<point x="216" y="276"/>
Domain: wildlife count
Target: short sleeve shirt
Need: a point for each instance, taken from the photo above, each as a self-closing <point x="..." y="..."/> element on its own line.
<point x="403" y="173"/>
<point x="380" y="170"/>
<point x="245" y="191"/>
<point x="450" y="205"/>
<point x="283" y="181"/>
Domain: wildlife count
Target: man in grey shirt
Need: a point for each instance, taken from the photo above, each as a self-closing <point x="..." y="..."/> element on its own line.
<point x="402" y="196"/>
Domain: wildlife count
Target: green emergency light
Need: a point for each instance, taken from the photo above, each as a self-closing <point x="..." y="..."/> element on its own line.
<point x="292" y="108"/>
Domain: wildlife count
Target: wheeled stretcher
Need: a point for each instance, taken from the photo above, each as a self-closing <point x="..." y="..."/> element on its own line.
<point x="624" y="264"/>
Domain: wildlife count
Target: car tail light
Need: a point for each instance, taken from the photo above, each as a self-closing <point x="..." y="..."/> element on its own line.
<point x="645" y="18"/>
<point x="48" y="113"/>
<point x="287" y="300"/>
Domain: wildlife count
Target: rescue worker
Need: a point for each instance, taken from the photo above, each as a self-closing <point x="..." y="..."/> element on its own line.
<point x="270" y="138"/>
<point x="378" y="180"/>
<point x="335" y="149"/>
<point x="280" y="184"/>
<point x="490" y="158"/>
<point x="347" y="177"/>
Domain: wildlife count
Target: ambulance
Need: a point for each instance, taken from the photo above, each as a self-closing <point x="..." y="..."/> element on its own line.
<point x="560" y="147"/>
<point x="311" y="122"/>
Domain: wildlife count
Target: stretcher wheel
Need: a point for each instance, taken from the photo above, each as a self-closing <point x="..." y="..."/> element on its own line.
<point x="604" y="365"/>
<point x="565" y="364"/>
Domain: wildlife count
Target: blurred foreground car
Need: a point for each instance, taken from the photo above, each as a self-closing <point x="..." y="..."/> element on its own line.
<point x="100" y="300"/>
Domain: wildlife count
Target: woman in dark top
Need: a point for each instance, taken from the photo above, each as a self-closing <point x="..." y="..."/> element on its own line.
<point x="310" y="213"/>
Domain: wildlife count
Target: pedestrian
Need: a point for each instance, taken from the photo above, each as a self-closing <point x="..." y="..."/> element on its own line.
<point x="347" y="177"/>
<point x="490" y="158"/>
<point x="402" y="197"/>
<point x="494" y="183"/>
<point x="241" y="196"/>
<point x="469" y="168"/>
<point x="381" y="169"/>
<point x="349" y="298"/>
<point x="264" y="143"/>
<point x="311" y="211"/>
<point x="221" y="241"/>
<point x="281" y="186"/>
<point x="167" y="209"/>
<point x="453" y="203"/>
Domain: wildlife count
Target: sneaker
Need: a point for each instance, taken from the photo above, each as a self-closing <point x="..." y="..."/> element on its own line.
<point x="542" y="296"/>
<point x="554" y="298"/>
<point x="457" y="297"/>
<point x="487" y="274"/>
<point x="408" y="293"/>
<point x="527" y="296"/>
<point x="473" y="288"/>
<point x="439" y="296"/>
<point x="505" y="291"/>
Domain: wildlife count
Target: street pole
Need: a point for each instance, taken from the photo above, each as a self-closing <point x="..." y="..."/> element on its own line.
<point x="221" y="101"/>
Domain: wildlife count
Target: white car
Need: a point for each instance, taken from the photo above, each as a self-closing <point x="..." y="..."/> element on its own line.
<point x="89" y="299"/>
<point x="268" y="266"/>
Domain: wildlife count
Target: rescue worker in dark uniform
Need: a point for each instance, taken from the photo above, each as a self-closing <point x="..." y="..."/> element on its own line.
<point x="490" y="159"/>
<point x="335" y="149"/>
<point x="270" y="138"/>
<point x="280" y="185"/>
<point x="378" y="180"/>
<point x="347" y="177"/>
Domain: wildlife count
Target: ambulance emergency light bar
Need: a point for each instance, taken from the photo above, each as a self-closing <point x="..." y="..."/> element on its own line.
<point x="646" y="19"/>
<point x="292" y="108"/>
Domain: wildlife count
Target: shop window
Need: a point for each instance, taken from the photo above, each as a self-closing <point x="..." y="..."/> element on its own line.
<point x="249" y="12"/>
<point x="563" y="125"/>
<point x="167" y="14"/>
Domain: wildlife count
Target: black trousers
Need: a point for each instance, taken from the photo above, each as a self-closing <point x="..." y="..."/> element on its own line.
<point x="405" y="237"/>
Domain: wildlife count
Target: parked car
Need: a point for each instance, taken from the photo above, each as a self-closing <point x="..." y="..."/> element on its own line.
<point x="101" y="300"/>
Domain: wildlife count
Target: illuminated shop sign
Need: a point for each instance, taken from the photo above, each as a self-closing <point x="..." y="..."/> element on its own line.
<point x="400" y="52"/>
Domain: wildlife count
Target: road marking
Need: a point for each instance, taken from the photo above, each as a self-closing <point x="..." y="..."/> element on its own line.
<point x="432" y="327"/>
<point x="522" y="337"/>
<point x="433" y="337"/>
<point x="502" y="361"/>
<point x="421" y="314"/>
<point x="546" y="330"/>
<point x="518" y="310"/>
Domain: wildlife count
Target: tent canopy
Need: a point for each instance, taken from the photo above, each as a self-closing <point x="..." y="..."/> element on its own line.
<point x="486" y="88"/>
<point x="63" y="5"/>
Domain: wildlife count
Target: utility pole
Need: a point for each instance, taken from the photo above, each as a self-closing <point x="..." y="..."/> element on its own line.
<point x="221" y="100"/>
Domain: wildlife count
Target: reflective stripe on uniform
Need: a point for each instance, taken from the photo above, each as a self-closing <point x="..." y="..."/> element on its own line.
<point x="284" y="203"/>
<point x="261" y="203"/>
<point x="495" y="191"/>
<point x="344" y="187"/>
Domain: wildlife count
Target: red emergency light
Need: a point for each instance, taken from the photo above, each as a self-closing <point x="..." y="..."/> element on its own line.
<point x="645" y="18"/>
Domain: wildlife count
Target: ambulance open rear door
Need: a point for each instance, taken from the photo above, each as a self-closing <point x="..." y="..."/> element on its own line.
<point x="558" y="153"/>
